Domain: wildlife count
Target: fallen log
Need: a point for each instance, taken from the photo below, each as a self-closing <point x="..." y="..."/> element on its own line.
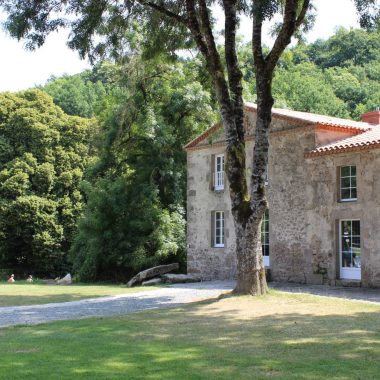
<point x="152" y="272"/>
<point x="152" y="282"/>
<point x="180" y="278"/>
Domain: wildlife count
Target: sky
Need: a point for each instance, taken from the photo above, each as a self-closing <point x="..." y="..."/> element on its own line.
<point x="21" y="69"/>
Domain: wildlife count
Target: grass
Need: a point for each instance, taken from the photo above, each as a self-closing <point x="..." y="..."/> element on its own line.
<point x="280" y="336"/>
<point x="23" y="293"/>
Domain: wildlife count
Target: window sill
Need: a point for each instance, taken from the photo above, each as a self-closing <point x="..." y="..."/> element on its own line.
<point x="348" y="200"/>
<point x="218" y="246"/>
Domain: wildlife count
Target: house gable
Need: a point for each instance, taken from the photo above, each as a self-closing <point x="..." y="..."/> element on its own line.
<point x="327" y="129"/>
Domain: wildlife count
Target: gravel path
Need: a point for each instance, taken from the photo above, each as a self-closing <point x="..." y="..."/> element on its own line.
<point x="172" y="296"/>
<point x="114" y="305"/>
<point x="357" y="294"/>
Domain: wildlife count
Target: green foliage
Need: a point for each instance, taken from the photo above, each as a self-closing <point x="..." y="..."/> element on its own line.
<point x="346" y="48"/>
<point x="74" y="95"/>
<point x="124" y="230"/>
<point x="40" y="147"/>
<point x="85" y="94"/>
<point x="304" y="87"/>
<point x="136" y="191"/>
<point x="337" y="77"/>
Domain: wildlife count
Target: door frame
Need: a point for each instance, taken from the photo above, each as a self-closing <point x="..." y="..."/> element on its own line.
<point x="347" y="273"/>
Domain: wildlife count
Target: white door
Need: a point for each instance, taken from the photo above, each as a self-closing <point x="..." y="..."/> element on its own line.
<point x="350" y="249"/>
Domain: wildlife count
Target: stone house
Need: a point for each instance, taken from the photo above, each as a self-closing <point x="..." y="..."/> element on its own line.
<point x="323" y="221"/>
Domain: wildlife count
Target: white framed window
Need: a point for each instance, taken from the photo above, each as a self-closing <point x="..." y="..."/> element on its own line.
<point x="265" y="237"/>
<point x="348" y="183"/>
<point x="219" y="172"/>
<point x="219" y="229"/>
<point x="350" y="249"/>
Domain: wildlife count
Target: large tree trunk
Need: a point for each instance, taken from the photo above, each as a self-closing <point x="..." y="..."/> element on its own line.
<point x="250" y="264"/>
<point x="247" y="207"/>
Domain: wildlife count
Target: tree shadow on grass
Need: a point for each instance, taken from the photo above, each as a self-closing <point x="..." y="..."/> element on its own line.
<point x="203" y="341"/>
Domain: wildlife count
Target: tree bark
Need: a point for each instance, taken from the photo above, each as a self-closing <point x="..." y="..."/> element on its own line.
<point x="247" y="205"/>
<point x="251" y="277"/>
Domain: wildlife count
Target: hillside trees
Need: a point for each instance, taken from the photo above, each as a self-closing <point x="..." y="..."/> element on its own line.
<point x="322" y="77"/>
<point x="86" y="94"/>
<point x="75" y="95"/>
<point x="102" y="27"/>
<point x="43" y="153"/>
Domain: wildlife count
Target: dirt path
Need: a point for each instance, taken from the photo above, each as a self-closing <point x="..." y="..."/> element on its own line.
<point x="172" y="296"/>
<point x="113" y="305"/>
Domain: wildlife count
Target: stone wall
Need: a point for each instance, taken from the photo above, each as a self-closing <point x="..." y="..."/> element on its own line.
<point x="304" y="208"/>
<point x="202" y="258"/>
<point x="287" y="225"/>
<point x="289" y="251"/>
<point x="324" y="211"/>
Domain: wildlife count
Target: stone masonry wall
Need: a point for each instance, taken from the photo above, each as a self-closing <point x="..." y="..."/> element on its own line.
<point x="304" y="209"/>
<point x="287" y="221"/>
<point x="203" y="259"/>
<point x="324" y="212"/>
<point x="289" y="251"/>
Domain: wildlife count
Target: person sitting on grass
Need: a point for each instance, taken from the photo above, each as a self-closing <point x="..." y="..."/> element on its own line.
<point x="30" y="278"/>
<point x="11" y="279"/>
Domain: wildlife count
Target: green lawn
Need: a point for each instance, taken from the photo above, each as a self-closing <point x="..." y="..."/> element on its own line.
<point x="22" y="293"/>
<point x="280" y="336"/>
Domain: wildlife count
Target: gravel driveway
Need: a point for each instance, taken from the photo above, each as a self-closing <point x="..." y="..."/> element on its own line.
<point x="172" y="296"/>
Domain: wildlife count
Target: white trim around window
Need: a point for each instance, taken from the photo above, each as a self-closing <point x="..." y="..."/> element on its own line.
<point x="219" y="172"/>
<point x="348" y="184"/>
<point x="219" y="229"/>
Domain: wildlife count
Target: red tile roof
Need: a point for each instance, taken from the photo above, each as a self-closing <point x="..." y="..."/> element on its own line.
<point x="365" y="135"/>
<point x="366" y="140"/>
<point x="312" y="118"/>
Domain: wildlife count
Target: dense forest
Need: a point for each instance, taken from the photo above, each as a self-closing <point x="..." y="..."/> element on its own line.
<point x="92" y="169"/>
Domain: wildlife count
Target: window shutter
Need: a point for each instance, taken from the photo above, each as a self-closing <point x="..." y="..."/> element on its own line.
<point x="226" y="230"/>
<point x="212" y="228"/>
<point x="224" y="170"/>
<point x="212" y="171"/>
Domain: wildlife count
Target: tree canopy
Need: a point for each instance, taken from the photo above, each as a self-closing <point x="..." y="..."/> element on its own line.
<point x="43" y="155"/>
<point x="136" y="190"/>
<point x="337" y="77"/>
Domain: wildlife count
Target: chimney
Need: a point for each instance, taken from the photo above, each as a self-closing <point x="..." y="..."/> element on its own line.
<point x="372" y="117"/>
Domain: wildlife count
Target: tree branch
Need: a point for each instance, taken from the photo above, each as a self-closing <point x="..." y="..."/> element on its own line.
<point x="301" y="16"/>
<point x="257" y="50"/>
<point x="284" y="36"/>
<point x="164" y="11"/>
<point x="234" y="73"/>
<point x="217" y="72"/>
<point x="195" y="30"/>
